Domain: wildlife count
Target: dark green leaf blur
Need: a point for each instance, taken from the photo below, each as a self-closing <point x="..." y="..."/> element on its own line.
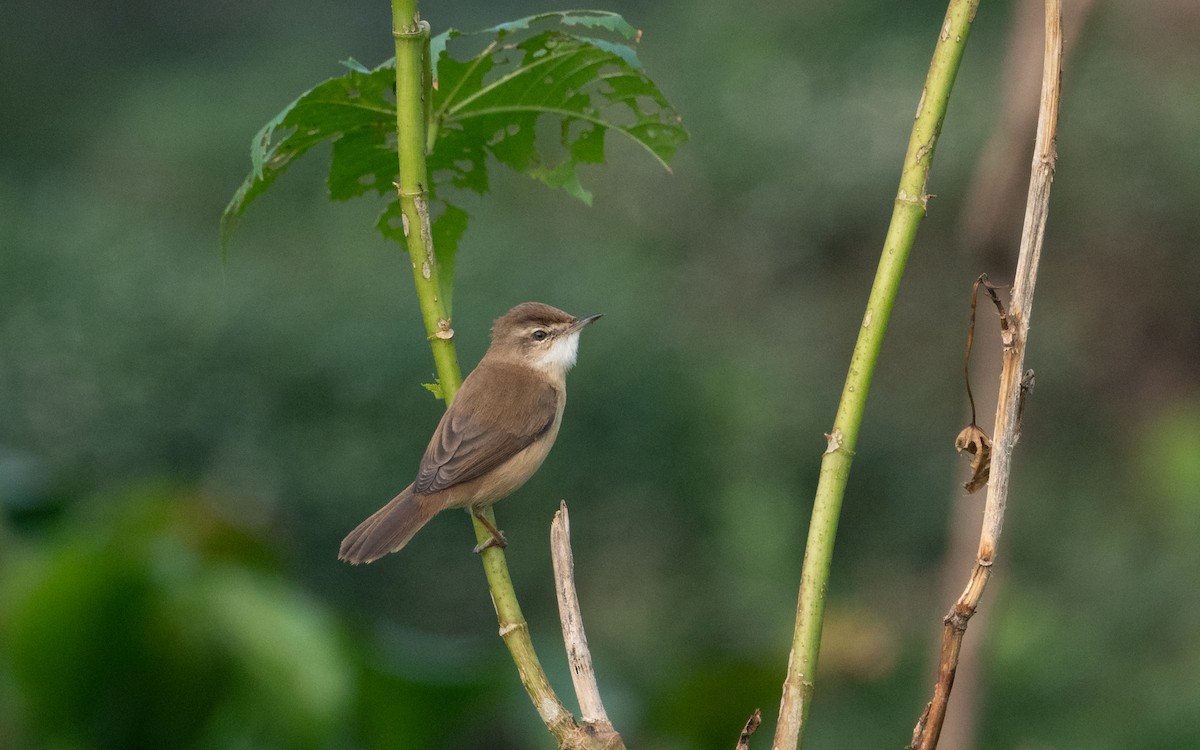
<point x="183" y="442"/>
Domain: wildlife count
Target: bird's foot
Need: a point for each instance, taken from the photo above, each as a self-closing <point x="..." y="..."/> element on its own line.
<point x="495" y="540"/>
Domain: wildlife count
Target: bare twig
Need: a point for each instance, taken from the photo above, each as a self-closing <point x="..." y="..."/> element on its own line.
<point x="593" y="719"/>
<point x="993" y="199"/>
<point x="993" y="203"/>
<point x="1007" y="428"/>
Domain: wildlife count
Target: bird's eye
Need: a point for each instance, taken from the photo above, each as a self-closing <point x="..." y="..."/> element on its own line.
<point x="539" y="335"/>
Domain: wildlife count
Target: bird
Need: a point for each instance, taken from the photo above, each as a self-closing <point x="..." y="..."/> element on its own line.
<point x="493" y="437"/>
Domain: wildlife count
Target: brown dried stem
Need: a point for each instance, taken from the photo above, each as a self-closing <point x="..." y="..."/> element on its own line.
<point x="1007" y="425"/>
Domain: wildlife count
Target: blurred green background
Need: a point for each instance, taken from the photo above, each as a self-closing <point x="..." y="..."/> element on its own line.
<point x="183" y="443"/>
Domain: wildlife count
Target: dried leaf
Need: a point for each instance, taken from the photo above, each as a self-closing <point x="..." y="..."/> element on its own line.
<point x="975" y="441"/>
<point x="750" y="728"/>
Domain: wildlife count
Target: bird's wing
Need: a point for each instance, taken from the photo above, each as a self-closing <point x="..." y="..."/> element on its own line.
<point x="497" y="413"/>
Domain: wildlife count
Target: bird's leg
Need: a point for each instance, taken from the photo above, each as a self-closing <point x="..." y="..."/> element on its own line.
<point x="497" y="536"/>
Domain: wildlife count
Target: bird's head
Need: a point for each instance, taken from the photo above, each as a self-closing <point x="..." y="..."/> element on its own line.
<point x="538" y="335"/>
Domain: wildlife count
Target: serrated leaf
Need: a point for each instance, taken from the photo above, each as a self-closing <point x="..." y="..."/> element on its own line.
<point x="353" y="64"/>
<point x="498" y="97"/>
<point x="489" y="104"/>
<point x="391" y="223"/>
<point x="435" y="389"/>
<point x="623" y="51"/>
<point x="597" y="19"/>
<point x="447" y="226"/>
<point x="448" y="230"/>
<point x="364" y="160"/>
<point x="355" y="110"/>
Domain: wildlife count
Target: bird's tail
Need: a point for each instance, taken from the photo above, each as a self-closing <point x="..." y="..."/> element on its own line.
<point x="388" y="529"/>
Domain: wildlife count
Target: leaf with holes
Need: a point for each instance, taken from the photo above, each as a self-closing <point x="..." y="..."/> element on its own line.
<point x="356" y="112"/>
<point x="492" y="103"/>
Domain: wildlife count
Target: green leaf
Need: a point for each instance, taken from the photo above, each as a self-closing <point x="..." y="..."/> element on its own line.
<point x="353" y="64"/>
<point x="448" y="229"/>
<point x="435" y="389"/>
<point x="489" y="104"/>
<point x="598" y="19"/>
<point x="448" y="226"/>
<point x="356" y="111"/>
<point x="492" y="102"/>
<point x="391" y="223"/>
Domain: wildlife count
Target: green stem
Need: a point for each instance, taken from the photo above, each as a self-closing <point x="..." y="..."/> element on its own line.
<point x="909" y="209"/>
<point x="411" y="34"/>
<point x="515" y="632"/>
<point x="412" y="110"/>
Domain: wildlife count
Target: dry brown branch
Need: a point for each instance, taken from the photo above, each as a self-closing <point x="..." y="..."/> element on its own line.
<point x="1007" y="427"/>
<point x="994" y="197"/>
<point x="994" y="202"/>
<point x="593" y="719"/>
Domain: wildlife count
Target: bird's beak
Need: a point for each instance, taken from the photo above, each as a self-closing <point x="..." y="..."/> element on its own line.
<point x="581" y="322"/>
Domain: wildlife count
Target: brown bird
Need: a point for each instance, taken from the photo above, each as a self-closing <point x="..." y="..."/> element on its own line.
<point x="494" y="436"/>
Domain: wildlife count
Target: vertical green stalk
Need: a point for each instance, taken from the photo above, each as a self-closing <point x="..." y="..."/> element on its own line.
<point x="412" y="111"/>
<point x="412" y="35"/>
<point x="909" y="209"/>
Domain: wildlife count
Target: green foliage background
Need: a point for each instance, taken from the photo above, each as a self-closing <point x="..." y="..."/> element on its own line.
<point x="182" y="444"/>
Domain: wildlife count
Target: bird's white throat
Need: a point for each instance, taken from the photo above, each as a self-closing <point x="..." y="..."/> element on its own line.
<point x="561" y="355"/>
